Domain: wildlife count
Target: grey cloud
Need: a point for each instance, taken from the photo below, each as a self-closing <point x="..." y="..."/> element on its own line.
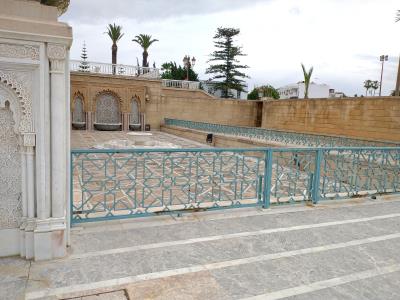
<point x="295" y="11"/>
<point x="92" y="11"/>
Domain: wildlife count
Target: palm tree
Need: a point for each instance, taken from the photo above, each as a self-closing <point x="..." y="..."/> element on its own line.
<point x="115" y="34"/>
<point x="375" y="85"/>
<point x="145" y="41"/>
<point x="307" y="79"/>
<point x="367" y="86"/>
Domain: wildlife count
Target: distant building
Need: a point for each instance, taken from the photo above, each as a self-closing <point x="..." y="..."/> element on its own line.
<point x="209" y="88"/>
<point x="333" y="94"/>
<point x="315" y="90"/>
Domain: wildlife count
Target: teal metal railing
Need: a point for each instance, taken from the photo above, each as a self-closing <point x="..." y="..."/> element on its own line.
<point x="113" y="184"/>
<point x="290" y="138"/>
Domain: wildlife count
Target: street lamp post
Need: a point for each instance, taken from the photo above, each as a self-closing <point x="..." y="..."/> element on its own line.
<point x="382" y="58"/>
<point x="188" y="64"/>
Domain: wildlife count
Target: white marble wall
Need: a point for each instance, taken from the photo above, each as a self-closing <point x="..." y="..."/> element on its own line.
<point x="34" y="135"/>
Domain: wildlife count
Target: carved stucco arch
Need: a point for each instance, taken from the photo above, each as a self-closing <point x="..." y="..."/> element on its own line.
<point x="136" y="98"/>
<point x="74" y="97"/>
<point x="140" y="94"/>
<point x="135" y="116"/>
<point x="108" y="92"/>
<point x="23" y="109"/>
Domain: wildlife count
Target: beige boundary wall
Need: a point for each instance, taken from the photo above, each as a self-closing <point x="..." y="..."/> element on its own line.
<point x="364" y="118"/>
<point x="157" y="102"/>
<point x="180" y="104"/>
<point x="367" y="118"/>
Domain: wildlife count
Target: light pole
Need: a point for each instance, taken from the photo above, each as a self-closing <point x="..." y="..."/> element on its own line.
<point x="397" y="90"/>
<point x="382" y="58"/>
<point x="187" y="63"/>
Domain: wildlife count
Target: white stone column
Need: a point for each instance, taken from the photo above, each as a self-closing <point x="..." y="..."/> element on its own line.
<point x="24" y="202"/>
<point x="58" y="105"/>
<point x="30" y="189"/>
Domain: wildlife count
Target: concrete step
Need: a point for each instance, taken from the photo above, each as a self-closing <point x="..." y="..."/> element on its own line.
<point x="251" y="253"/>
<point x="94" y="237"/>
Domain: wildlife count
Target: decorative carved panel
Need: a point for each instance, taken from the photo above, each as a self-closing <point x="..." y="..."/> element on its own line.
<point x="10" y="172"/>
<point x="21" y="84"/>
<point x="107" y="108"/>
<point x="55" y="51"/>
<point x="19" y="51"/>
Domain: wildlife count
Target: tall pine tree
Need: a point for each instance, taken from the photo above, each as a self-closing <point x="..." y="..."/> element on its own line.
<point x="226" y="70"/>
<point x="84" y="65"/>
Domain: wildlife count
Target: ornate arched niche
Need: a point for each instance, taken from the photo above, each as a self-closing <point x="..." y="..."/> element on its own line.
<point x="78" y="111"/>
<point x="135" y="110"/>
<point x="108" y="111"/>
<point x="10" y="159"/>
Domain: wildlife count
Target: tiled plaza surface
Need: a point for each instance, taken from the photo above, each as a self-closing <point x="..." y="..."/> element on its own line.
<point x="82" y="139"/>
<point x="335" y="250"/>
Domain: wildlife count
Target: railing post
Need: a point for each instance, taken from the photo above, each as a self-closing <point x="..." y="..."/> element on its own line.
<point x="316" y="177"/>
<point x="260" y="189"/>
<point x="71" y="187"/>
<point x="267" y="178"/>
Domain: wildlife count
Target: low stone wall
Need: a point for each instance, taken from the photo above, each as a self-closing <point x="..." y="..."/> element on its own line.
<point x="369" y="118"/>
<point x="199" y="106"/>
<point x="219" y="140"/>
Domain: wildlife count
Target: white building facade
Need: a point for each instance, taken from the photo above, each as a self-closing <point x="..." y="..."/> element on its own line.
<point x="296" y="91"/>
<point x="34" y="130"/>
<point x="209" y="88"/>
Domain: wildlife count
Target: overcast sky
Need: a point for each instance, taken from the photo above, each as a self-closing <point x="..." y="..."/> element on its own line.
<point x="342" y="39"/>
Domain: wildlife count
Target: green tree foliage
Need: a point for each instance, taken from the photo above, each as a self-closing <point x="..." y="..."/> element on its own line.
<point x="226" y="70"/>
<point x="171" y="70"/>
<point x="367" y="86"/>
<point x="115" y="34"/>
<point x="267" y="91"/>
<point x="375" y="86"/>
<point x="145" y="41"/>
<point x="253" y="95"/>
<point x="84" y="65"/>
<point x="62" y="5"/>
<point x="307" y="79"/>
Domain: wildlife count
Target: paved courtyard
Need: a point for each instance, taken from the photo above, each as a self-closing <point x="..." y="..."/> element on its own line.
<point x="82" y="139"/>
<point x="336" y="250"/>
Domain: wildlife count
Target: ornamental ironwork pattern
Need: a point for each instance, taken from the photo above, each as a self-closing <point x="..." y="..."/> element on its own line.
<point x="349" y="172"/>
<point x="265" y="135"/>
<point x="107" y="109"/>
<point x="78" y="115"/>
<point x="114" y="183"/>
<point x="10" y="172"/>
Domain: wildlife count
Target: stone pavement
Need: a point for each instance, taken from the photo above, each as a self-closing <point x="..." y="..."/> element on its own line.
<point x="82" y="139"/>
<point x="336" y="250"/>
